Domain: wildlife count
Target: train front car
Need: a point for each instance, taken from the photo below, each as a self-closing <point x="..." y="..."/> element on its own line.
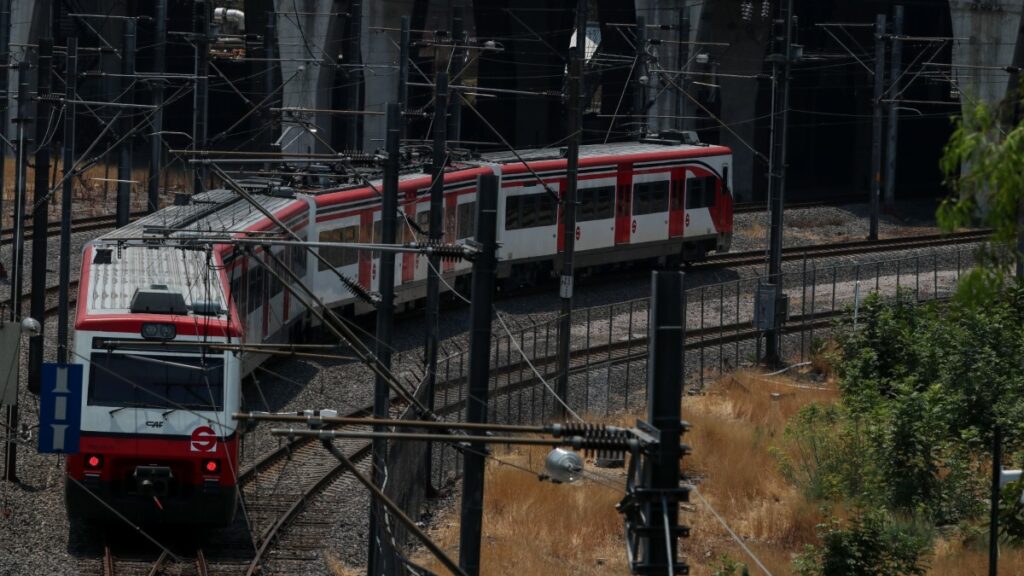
<point x="158" y="444"/>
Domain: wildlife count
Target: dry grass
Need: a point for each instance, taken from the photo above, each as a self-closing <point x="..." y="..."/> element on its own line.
<point x="92" y="193"/>
<point x="955" y="558"/>
<point x="535" y="528"/>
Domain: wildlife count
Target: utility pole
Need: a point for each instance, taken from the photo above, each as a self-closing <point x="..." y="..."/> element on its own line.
<point x="201" y="33"/>
<point x="572" y="170"/>
<point x="269" y="36"/>
<point x="781" y="62"/>
<point x="403" y="67"/>
<point x="379" y="562"/>
<point x="354" y="73"/>
<point x="876" y="124"/>
<point x="665" y="373"/>
<point x="894" y="114"/>
<point x="641" y="78"/>
<point x="436" y="234"/>
<point x="124" y="164"/>
<point x="156" y="87"/>
<point x="70" y="73"/>
<point x="482" y="295"/>
<point x="5" y="102"/>
<point x="458" y="60"/>
<point x="11" y="449"/>
<point x="993" y="515"/>
<point x="684" y="108"/>
<point x="40" y="213"/>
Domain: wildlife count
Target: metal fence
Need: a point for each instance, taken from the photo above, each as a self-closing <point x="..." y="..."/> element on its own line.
<point x="608" y="343"/>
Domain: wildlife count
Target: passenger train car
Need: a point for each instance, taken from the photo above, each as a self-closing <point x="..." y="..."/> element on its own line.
<point x="166" y="334"/>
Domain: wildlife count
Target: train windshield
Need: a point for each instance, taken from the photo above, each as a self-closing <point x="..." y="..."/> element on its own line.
<point x="149" y="381"/>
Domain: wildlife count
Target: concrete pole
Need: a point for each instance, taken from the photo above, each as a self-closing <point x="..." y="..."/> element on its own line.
<point x="471" y="527"/>
<point x="455" y="104"/>
<point x="440" y="128"/>
<point x="40" y="213"/>
<point x="157" y="92"/>
<point x="201" y="33"/>
<point x="70" y="73"/>
<point x="380" y="562"/>
<point x="124" y="162"/>
<point x="640" y="78"/>
<point x="5" y="101"/>
<point x="894" y="114"/>
<point x="876" y="125"/>
<point x="780" y="115"/>
<point x="569" y="204"/>
<point x="684" y="107"/>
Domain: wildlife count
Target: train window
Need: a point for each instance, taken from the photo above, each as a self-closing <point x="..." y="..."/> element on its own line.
<point x="236" y="287"/>
<point x="337" y="256"/>
<point x="274" y="285"/>
<point x="128" y="380"/>
<point x="254" y="295"/>
<point x="512" y="212"/>
<point x="595" y="203"/>
<point x="650" y="197"/>
<point x="467" y="220"/>
<point x="298" y="261"/>
<point x="700" y="192"/>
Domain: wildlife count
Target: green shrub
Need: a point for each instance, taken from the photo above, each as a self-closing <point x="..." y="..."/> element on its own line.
<point x="874" y="544"/>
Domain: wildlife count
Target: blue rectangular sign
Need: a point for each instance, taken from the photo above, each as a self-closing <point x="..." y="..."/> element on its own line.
<point x="60" y="408"/>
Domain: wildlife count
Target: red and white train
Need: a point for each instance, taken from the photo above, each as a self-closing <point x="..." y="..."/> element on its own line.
<point x="158" y="443"/>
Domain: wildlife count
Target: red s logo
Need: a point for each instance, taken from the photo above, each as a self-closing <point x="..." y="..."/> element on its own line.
<point x="204" y="439"/>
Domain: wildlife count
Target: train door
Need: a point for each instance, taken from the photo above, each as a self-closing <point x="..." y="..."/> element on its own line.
<point x="254" y="298"/>
<point x="344" y="260"/>
<point x="595" y="214"/>
<point x="650" y="207"/>
<point x="701" y="189"/>
<point x="405" y="233"/>
<point x="274" y="316"/>
<point x="676" y="212"/>
<point x="418" y="262"/>
<point x="623" y="204"/>
<point x="453" y="209"/>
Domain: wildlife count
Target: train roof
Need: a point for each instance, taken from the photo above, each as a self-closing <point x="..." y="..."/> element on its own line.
<point x="595" y="151"/>
<point x="115" y="275"/>
<point x="214" y="211"/>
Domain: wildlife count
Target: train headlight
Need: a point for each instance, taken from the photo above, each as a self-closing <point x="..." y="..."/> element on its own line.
<point x="211" y="466"/>
<point x="157" y="331"/>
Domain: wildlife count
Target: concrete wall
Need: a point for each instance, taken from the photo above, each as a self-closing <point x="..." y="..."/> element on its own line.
<point x="305" y="63"/>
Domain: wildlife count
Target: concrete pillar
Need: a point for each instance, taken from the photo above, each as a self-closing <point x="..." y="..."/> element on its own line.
<point x="307" y="67"/>
<point x="980" y="25"/>
<point x="380" y="53"/>
<point x="666" y="12"/>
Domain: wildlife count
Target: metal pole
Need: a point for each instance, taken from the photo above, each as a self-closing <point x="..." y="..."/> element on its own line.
<point x="894" y="114"/>
<point x="436" y="234"/>
<point x="11" y="449"/>
<point x="455" y="104"/>
<point x="269" y="80"/>
<point x="666" y="368"/>
<point x="640" y="77"/>
<point x="5" y="101"/>
<point x="403" y="66"/>
<point x="876" y="126"/>
<point x="569" y="205"/>
<point x="993" y="526"/>
<point x="70" y="73"/>
<point x="40" y="213"/>
<point x="379" y="561"/>
<point x="355" y="75"/>
<point x="124" y="162"/>
<point x="684" y="108"/>
<point x="156" y="88"/>
<point x="479" y="351"/>
<point x="778" y="178"/>
<point x="201" y="31"/>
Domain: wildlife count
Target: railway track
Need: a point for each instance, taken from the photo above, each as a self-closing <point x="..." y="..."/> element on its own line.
<point x="129" y="563"/>
<point x="747" y="207"/>
<point x="852" y="248"/>
<point x="81" y="224"/>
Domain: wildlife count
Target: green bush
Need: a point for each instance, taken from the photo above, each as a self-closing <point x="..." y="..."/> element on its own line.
<point x="874" y="544"/>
